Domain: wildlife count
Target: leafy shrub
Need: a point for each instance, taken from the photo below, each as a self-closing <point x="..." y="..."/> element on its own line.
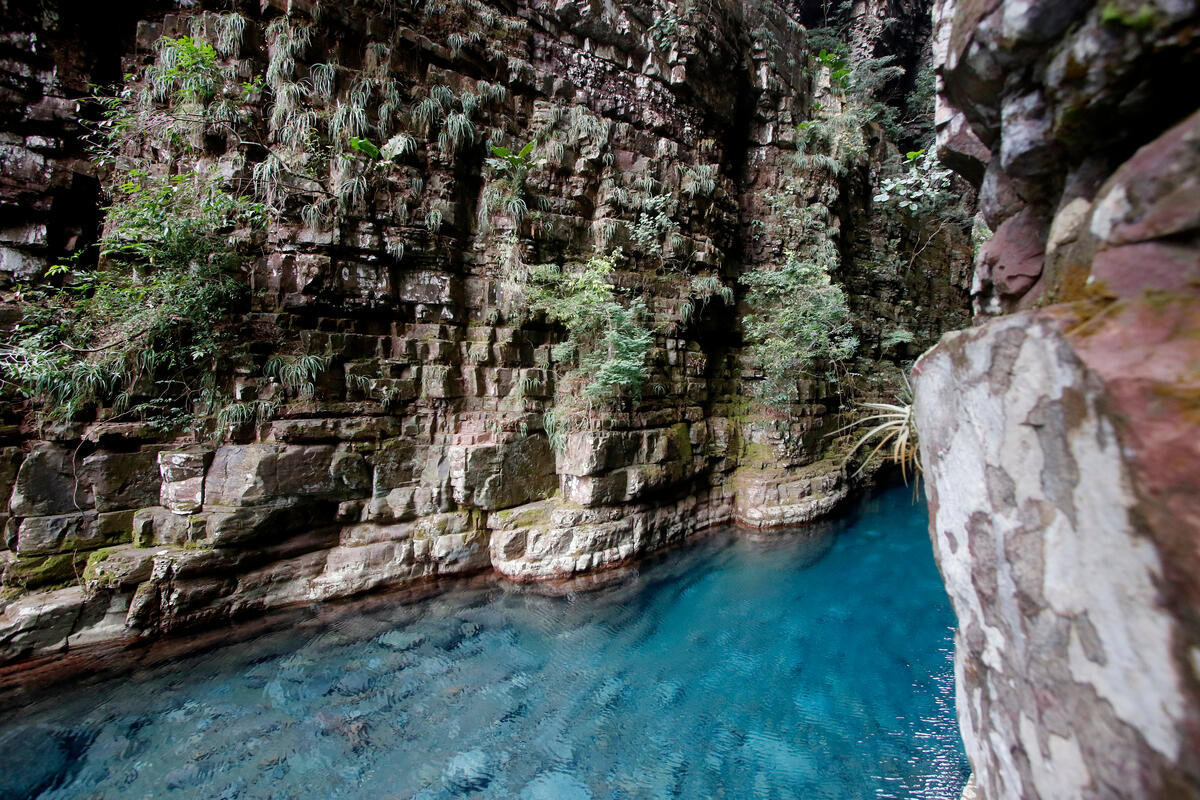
<point x="922" y="189"/>
<point x="187" y="71"/>
<point x="897" y="336"/>
<point x="654" y="225"/>
<point x="145" y="332"/>
<point x="607" y="344"/>
<point x="799" y="324"/>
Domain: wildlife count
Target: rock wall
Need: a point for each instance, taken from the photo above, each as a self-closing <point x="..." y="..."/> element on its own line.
<point x="423" y="452"/>
<point x="1061" y="435"/>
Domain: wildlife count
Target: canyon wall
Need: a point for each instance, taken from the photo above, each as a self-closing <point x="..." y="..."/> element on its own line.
<point x="422" y="450"/>
<point x="1061" y="434"/>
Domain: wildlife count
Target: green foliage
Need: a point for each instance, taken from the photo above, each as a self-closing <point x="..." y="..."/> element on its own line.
<point x="833" y="142"/>
<point x="509" y="163"/>
<point x="298" y="374"/>
<point x="917" y="125"/>
<point x="922" y="189"/>
<point x="175" y="222"/>
<point x="529" y="385"/>
<point x="665" y="27"/>
<point x="365" y="147"/>
<point x="148" y="333"/>
<point x="891" y="424"/>
<point x="321" y="78"/>
<point x="229" y="29"/>
<point x="897" y="336"/>
<point x="399" y="146"/>
<point x="607" y="343"/>
<point x="233" y="416"/>
<point x="507" y="192"/>
<point x="186" y="71"/>
<point x="457" y="132"/>
<point x="799" y="324"/>
<point x="653" y="225"/>
<point x="433" y="220"/>
<point x="448" y="115"/>
<point x="145" y="333"/>
<point x="556" y="430"/>
<point x="702" y="290"/>
<point x="1114" y="14"/>
<point x="699" y="181"/>
<point x="835" y="61"/>
<point x="981" y="234"/>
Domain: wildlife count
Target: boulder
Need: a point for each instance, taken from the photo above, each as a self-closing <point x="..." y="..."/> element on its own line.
<point x="1061" y="476"/>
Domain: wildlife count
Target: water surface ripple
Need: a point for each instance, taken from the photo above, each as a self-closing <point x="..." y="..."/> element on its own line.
<point x="809" y="665"/>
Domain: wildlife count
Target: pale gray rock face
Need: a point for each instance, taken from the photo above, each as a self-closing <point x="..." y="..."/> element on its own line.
<point x="1067" y="677"/>
<point x="1062" y="445"/>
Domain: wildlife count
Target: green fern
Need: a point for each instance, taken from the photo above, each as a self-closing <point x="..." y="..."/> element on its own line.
<point x="229" y="29"/>
<point x="321" y="82"/>
<point x="297" y="375"/>
<point x="433" y="220"/>
<point x="555" y="431"/>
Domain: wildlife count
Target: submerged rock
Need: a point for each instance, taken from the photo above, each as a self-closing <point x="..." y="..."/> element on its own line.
<point x="556" y="786"/>
<point x="468" y="772"/>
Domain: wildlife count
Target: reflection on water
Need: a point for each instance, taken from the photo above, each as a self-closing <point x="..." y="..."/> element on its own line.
<point x="811" y="665"/>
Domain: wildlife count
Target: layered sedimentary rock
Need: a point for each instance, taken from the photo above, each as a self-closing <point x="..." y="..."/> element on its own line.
<point x="423" y="452"/>
<point x="1061" y="435"/>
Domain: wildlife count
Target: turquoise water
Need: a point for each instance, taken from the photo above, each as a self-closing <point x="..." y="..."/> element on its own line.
<point x="807" y="665"/>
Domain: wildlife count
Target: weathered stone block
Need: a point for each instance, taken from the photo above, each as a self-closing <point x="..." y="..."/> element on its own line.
<point x="159" y="526"/>
<point x="39" y="623"/>
<point x="182" y="465"/>
<point x="397" y="462"/>
<point x="593" y="452"/>
<point x="184" y="496"/>
<point x="773" y="498"/>
<point x="423" y="286"/>
<point x="494" y="476"/>
<point x="56" y="534"/>
<point x="271" y="524"/>
<point x="337" y="429"/>
<point x="247" y="474"/>
<point x="123" y="480"/>
<point x="50" y="482"/>
<point x="115" y="567"/>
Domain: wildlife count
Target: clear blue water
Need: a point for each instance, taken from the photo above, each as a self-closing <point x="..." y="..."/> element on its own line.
<point x="806" y="665"/>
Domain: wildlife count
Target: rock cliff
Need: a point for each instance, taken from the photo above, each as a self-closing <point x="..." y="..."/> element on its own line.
<point x="1061" y="434"/>
<point x="420" y="444"/>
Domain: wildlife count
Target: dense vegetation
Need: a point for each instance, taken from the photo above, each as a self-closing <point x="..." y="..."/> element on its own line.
<point x="146" y="333"/>
<point x="143" y="325"/>
<point x="607" y="343"/>
<point x="146" y="326"/>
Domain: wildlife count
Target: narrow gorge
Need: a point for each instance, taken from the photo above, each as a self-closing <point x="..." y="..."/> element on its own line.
<point x="307" y="301"/>
<point x="398" y="399"/>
